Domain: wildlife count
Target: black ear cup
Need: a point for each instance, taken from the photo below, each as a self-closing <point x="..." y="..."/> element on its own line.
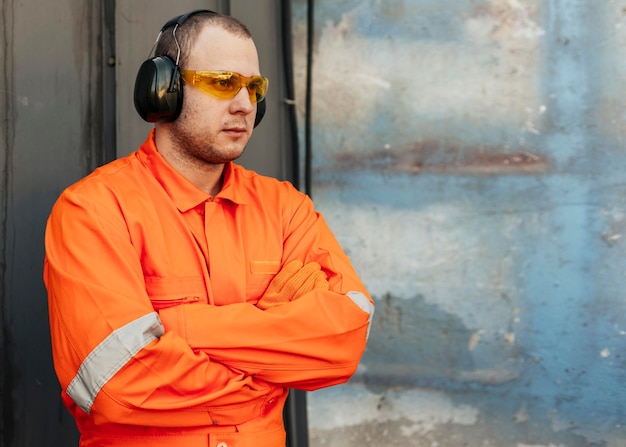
<point x="158" y="90"/>
<point x="260" y="111"/>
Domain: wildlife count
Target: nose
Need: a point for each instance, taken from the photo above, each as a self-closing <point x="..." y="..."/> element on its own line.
<point x="241" y="102"/>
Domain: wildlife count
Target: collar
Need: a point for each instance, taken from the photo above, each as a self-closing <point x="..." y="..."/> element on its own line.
<point x="183" y="193"/>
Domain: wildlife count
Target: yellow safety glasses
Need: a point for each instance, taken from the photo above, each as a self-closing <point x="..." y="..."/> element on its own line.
<point x="226" y="84"/>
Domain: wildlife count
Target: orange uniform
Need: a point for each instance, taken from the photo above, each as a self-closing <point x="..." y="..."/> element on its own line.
<point x="152" y="288"/>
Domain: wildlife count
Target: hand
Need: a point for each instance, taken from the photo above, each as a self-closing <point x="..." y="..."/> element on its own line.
<point x="293" y="281"/>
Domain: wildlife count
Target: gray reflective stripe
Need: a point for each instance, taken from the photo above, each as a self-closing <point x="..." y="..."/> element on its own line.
<point x="366" y="305"/>
<point x="110" y="356"/>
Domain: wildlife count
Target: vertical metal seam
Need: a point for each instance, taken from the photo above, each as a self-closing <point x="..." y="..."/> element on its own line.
<point x="292" y="155"/>
<point x="87" y="123"/>
<point x="223" y="7"/>
<point x="7" y="426"/>
<point x="108" y="64"/>
<point x="308" y="150"/>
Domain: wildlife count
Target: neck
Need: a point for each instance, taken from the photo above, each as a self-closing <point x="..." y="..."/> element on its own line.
<point x="208" y="177"/>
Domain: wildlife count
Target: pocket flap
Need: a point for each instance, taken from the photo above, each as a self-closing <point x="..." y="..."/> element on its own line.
<point x="265" y="267"/>
<point x="167" y="289"/>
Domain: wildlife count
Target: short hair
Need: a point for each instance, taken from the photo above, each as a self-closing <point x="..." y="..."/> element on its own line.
<point x="188" y="31"/>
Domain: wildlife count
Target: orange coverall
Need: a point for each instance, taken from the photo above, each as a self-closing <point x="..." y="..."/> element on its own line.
<point x="152" y="287"/>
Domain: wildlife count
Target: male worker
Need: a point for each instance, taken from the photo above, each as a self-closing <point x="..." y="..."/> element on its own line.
<point x="186" y="293"/>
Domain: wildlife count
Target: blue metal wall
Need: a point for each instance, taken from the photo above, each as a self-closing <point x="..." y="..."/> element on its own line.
<point x="468" y="154"/>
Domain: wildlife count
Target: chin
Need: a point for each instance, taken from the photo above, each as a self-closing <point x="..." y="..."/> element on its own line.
<point x="231" y="155"/>
<point x="238" y="155"/>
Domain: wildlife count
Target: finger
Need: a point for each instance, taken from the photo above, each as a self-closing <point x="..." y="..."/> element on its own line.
<point x="285" y="274"/>
<point x="296" y="281"/>
<point x="318" y="278"/>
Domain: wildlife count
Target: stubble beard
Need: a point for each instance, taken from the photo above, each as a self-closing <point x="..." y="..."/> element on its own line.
<point x="199" y="148"/>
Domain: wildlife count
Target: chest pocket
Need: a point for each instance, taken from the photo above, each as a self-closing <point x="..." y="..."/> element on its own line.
<point x="173" y="291"/>
<point x="260" y="274"/>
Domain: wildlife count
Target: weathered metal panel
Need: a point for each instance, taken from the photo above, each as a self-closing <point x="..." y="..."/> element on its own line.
<point x="66" y="94"/>
<point x="468" y="154"/>
<point x="50" y="135"/>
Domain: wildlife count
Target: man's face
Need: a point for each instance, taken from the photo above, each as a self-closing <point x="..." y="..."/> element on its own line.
<point x="210" y="129"/>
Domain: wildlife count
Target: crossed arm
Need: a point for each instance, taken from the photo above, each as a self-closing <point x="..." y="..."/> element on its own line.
<point x="192" y="356"/>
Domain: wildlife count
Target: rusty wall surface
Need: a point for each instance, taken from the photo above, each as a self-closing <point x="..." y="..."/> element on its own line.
<point x="469" y="156"/>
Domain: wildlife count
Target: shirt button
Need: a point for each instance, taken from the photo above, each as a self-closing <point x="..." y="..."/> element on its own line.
<point x="222" y="444"/>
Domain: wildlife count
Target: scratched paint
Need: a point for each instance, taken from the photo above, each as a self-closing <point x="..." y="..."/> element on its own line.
<point x="469" y="157"/>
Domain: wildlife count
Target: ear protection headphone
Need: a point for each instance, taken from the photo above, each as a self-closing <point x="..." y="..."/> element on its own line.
<point x="158" y="92"/>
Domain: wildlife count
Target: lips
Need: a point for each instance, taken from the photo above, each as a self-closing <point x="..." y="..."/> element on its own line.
<point x="235" y="128"/>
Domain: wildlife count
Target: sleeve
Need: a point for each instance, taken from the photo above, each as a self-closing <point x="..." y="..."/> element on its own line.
<point x="110" y="351"/>
<point x="313" y="342"/>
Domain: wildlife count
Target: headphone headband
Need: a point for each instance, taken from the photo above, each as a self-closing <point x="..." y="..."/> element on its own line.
<point x="178" y="20"/>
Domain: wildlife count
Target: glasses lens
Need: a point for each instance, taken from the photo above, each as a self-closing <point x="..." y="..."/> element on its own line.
<point x="226" y="84"/>
<point x="257" y="86"/>
<point x="222" y="85"/>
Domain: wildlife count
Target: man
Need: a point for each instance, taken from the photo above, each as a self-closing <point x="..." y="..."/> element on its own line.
<point x="186" y="293"/>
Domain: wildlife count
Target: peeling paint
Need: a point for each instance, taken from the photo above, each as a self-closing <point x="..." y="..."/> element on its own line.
<point x="438" y="157"/>
<point x="473" y="341"/>
<point x="420" y="411"/>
